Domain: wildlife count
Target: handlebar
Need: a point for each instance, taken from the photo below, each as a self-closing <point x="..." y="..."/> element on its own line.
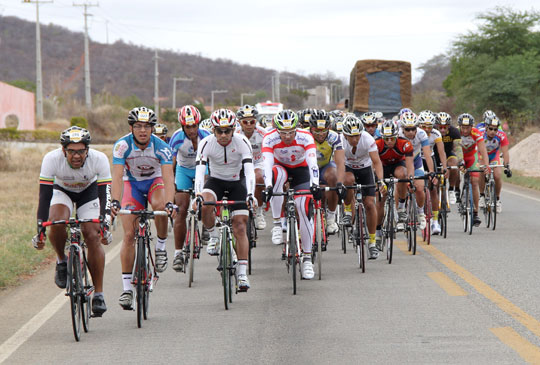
<point x="145" y="213"/>
<point x="221" y="203"/>
<point x="296" y="193"/>
<point x="70" y="222"/>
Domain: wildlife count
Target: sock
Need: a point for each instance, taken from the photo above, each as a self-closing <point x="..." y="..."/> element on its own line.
<point x="160" y="244"/>
<point x="378" y="233"/>
<point x="58" y="261"/>
<point x="497" y="198"/>
<point x="348" y="209"/>
<point x="214" y="233"/>
<point x="482" y="195"/>
<point x="451" y="188"/>
<point x="331" y="215"/>
<point x="277" y="222"/>
<point x="371" y="238"/>
<point x="259" y="211"/>
<point x="241" y="268"/>
<point x="401" y="204"/>
<point x="126" y="281"/>
<point x="420" y="210"/>
<point x="435" y="215"/>
<point x="98" y="294"/>
<point x="177" y="252"/>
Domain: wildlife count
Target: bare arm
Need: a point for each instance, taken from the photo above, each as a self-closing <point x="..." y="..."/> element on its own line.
<point x="339" y="157"/>
<point x="377" y="164"/>
<point x="168" y="181"/>
<point x="442" y="153"/>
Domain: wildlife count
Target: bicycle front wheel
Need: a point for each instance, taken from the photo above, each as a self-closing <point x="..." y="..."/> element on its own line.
<point x="193" y="238"/>
<point x="360" y="237"/>
<point x="470" y="212"/>
<point x="426" y="233"/>
<point x="293" y="251"/>
<point x="74" y="286"/>
<point x="86" y="294"/>
<point x="148" y="277"/>
<point x="319" y="241"/>
<point x="388" y="236"/>
<point x="224" y="255"/>
<point x="493" y="205"/>
<point x="139" y="277"/>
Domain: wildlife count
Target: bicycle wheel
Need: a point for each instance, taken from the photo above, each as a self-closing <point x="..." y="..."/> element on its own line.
<point x="389" y="231"/>
<point x="414" y="223"/>
<point x="465" y="206"/>
<point x="230" y="268"/>
<point x="193" y="237"/>
<point x="426" y="232"/>
<point x="487" y="205"/>
<point x="87" y="290"/>
<point x="360" y="237"/>
<point x="139" y="277"/>
<point x="493" y="206"/>
<point x="73" y="289"/>
<point x="148" y="277"/>
<point x="251" y="235"/>
<point x="470" y="212"/>
<point x="224" y="265"/>
<point x="319" y="240"/>
<point x="443" y="211"/>
<point x="292" y="251"/>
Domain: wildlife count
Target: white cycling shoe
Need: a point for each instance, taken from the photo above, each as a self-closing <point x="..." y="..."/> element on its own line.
<point x="452" y="197"/>
<point x="277" y="235"/>
<point x="435" y="227"/>
<point x="421" y="221"/>
<point x="307" y="268"/>
<point x="499" y="206"/>
<point x="331" y="226"/>
<point x="260" y="223"/>
<point x="213" y="248"/>
<point x="482" y="202"/>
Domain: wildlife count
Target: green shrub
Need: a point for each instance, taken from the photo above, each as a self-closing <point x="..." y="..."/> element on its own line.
<point x="79" y="122"/>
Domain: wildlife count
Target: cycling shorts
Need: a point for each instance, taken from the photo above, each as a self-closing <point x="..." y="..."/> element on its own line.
<point x="236" y="190"/>
<point x="363" y="176"/>
<point x="389" y="169"/>
<point x="299" y="175"/>
<point x="184" y="178"/>
<point x="138" y="193"/>
<point x="471" y="163"/>
<point x="86" y="202"/>
<point x="323" y="169"/>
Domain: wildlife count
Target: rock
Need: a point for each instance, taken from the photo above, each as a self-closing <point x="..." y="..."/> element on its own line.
<point x="525" y="156"/>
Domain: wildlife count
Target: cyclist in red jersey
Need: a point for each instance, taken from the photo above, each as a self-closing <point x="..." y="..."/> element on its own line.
<point x="472" y="142"/>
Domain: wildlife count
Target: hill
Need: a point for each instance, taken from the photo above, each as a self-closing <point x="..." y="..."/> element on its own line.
<point x="125" y="69"/>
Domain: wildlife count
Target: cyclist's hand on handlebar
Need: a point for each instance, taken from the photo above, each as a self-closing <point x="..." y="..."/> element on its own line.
<point x="38" y="241"/>
<point x="382" y="187"/>
<point x="106" y="235"/>
<point x="267" y="194"/>
<point x="115" y="208"/>
<point x="172" y="209"/>
<point x="316" y="192"/>
<point x="251" y="202"/>
<point x="341" y="191"/>
<point x="197" y="202"/>
<point x="433" y="178"/>
<point x="487" y="170"/>
<point x="507" y="170"/>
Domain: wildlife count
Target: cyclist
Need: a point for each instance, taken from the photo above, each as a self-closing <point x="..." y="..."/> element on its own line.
<point x="331" y="173"/>
<point x="336" y="120"/>
<point x="247" y="118"/>
<point x="289" y="151"/>
<point x="142" y="172"/>
<point x="229" y="159"/>
<point x="472" y="143"/>
<point x="488" y="115"/>
<point x="371" y="124"/>
<point x="206" y="124"/>
<point x="451" y="139"/>
<point x="161" y="131"/>
<point x="361" y="159"/>
<point x="184" y="143"/>
<point x="396" y="154"/>
<point x="427" y="120"/>
<point x="420" y="142"/>
<point x="496" y="141"/>
<point x="304" y="116"/>
<point x="76" y="174"/>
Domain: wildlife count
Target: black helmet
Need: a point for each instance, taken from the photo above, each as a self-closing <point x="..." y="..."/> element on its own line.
<point x="142" y="114"/>
<point x="161" y="129"/>
<point x="247" y="111"/>
<point x="465" y="119"/>
<point x="319" y="119"/>
<point x="369" y="118"/>
<point x="75" y="135"/>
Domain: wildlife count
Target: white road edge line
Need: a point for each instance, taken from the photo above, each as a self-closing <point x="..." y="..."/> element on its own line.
<point x="29" y="328"/>
<point x="521" y="195"/>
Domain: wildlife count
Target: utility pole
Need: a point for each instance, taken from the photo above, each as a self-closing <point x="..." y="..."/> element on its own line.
<point x="277" y="87"/>
<point x="87" y="88"/>
<point x="174" y="89"/>
<point x="215" y="92"/>
<point x="156" y="84"/>
<point x="242" y="97"/>
<point x="107" y="30"/>
<point x="289" y="84"/>
<point x="273" y="89"/>
<point x="39" y="79"/>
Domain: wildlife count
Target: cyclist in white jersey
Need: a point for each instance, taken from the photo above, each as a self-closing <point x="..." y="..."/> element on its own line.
<point x="361" y="161"/>
<point x="142" y="172"/>
<point x="76" y="174"/>
<point x="427" y="120"/>
<point x="288" y="151"/>
<point x="229" y="159"/>
<point x="247" y="118"/>
<point x="420" y="141"/>
<point x="184" y="143"/>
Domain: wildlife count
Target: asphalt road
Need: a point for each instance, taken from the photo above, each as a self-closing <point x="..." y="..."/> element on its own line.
<point x="466" y="299"/>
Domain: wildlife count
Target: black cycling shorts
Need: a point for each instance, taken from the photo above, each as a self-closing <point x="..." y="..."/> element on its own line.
<point x="363" y="176"/>
<point x="389" y="169"/>
<point x="236" y="190"/>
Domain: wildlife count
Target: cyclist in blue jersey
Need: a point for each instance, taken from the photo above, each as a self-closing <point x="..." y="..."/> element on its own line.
<point x="184" y="143"/>
<point x="142" y="171"/>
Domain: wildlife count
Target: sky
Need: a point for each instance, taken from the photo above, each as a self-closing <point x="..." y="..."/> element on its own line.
<point x="301" y="36"/>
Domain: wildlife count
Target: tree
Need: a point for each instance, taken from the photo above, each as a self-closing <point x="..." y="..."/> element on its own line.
<point x="498" y="66"/>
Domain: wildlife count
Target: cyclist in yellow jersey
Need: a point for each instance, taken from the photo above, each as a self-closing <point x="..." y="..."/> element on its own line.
<point x="331" y="173"/>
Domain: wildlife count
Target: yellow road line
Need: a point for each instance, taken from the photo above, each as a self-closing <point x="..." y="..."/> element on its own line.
<point x="403" y="246"/>
<point x="507" y="306"/>
<point x="524" y="348"/>
<point x="451" y="287"/>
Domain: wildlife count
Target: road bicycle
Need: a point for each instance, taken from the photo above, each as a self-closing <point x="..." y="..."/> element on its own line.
<point x="192" y="243"/>
<point x="292" y="252"/>
<point x="411" y="226"/>
<point x="466" y="203"/>
<point x="144" y="276"/>
<point x="79" y="287"/>
<point x="490" y="198"/>
<point x="388" y="229"/>
<point x="251" y="231"/>
<point x="444" y="206"/>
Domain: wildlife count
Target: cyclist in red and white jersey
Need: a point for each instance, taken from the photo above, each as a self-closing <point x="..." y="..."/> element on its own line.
<point x="291" y="152"/>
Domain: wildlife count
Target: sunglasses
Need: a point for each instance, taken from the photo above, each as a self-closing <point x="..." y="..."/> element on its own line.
<point x="223" y="131"/>
<point x="493" y="129"/>
<point x="287" y="133"/>
<point x="409" y="129"/>
<point x="319" y="131"/>
<point x="248" y="122"/>
<point x="389" y="139"/>
<point x="76" y="152"/>
<point x="142" y="126"/>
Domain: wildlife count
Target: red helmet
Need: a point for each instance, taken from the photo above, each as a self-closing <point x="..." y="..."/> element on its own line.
<point x="189" y="115"/>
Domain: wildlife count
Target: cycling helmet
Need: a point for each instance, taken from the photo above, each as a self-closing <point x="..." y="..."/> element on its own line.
<point x="247" y="111"/>
<point x="223" y="118"/>
<point x="189" y="115"/>
<point x="265" y="120"/>
<point x="493" y="121"/>
<point x="319" y="119"/>
<point x="380" y="117"/>
<point x="304" y="120"/>
<point x="368" y="118"/>
<point x="75" y="135"/>
<point x="389" y="129"/>
<point x="352" y="126"/>
<point x="488" y="114"/>
<point x="408" y="119"/>
<point x="405" y="110"/>
<point x="161" y="129"/>
<point x="142" y="114"/>
<point x="444" y="119"/>
<point x="337" y="125"/>
<point x="286" y="119"/>
<point x="465" y="119"/>
<point x="427" y="118"/>
<point x="207" y="124"/>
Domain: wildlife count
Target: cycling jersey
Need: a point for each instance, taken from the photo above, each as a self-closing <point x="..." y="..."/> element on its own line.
<point x="419" y="141"/>
<point x="301" y="152"/>
<point x="448" y="141"/>
<point x="182" y="148"/>
<point x="360" y="158"/>
<point x="256" y="145"/>
<point x="433" y="137"/>
<point x="325" y="150"/>
<point x="391" y="156"/>
<point x="225" y="162"/>
<point x="469" y="143"/>
<point x="493" y="145"/>
<point x="141" y="164"/>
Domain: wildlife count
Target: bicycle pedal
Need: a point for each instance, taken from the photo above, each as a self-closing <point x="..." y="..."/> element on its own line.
<point x="96" y="315"/>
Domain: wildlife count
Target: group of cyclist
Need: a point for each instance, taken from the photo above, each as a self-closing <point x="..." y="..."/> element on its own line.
<point x="250" y="158"/>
